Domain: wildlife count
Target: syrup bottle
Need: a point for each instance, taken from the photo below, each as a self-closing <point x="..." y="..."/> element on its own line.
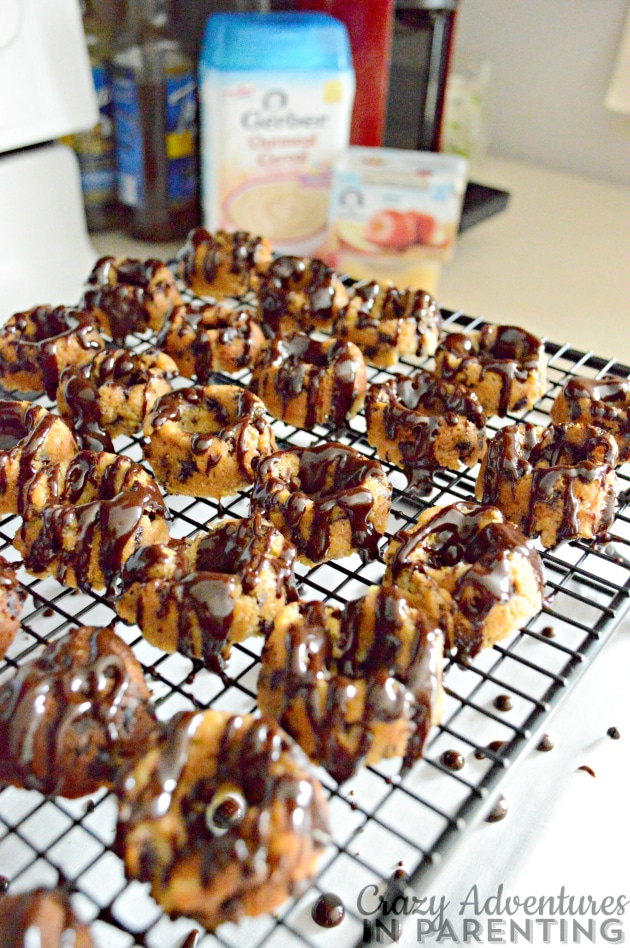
<point x="155" y="113"/>
<point x="95" y="148"/>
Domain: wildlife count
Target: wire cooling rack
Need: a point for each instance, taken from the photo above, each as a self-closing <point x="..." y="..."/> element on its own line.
<point x="379" y="821"/>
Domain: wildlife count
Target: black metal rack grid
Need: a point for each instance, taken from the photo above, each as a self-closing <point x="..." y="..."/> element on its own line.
<point x="378" y="820"/>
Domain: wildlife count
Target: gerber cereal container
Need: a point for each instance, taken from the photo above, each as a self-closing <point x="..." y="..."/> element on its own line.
<point x="276" y="93"/>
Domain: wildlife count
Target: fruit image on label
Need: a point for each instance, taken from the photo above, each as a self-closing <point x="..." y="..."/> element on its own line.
<point x="396" y="230"/>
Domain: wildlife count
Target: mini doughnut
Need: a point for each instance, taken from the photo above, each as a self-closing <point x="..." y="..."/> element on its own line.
<point x="354" y="685"/>
<point x="298" y="293"/>
<point x="128" y="296"/>
<point x="111" y="395"/>
<point x="504" y="365"/>
<point x="30" y="438"/>
<point x="199" y="595"/>
<point x="36" y="345"/>
<point x="422" y="423"/>
<point x="603" y="402"/>
<point x="387" y="323"/>
<point x="208" y="338"/>
<point x="204" y="440"/>
<point x="304" y="382"/>
<point x="223" y="818"/>
<point x="221" y="264"/>
<point x="42" y="917"/>
<point x="77" y="717"/>
<point x="329" y="501"/>
<point x="469" y="569"/>
<point x="12" y="598"/>
<point x="557" y="482"/>
<point x="84" y="517"/>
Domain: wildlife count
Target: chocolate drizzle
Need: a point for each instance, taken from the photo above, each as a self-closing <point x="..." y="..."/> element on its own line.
<point x="198" y="586"/>
<point x="305" y="288"/>
<point x="128" y="293"/>
<point x="376" y="647"/>
<point x="467" y="534"/>
<point x="327" y="372"/>
<point x="71" y="718"/>
<point x="507" y="352"/>
<point x="331" y="481"/>
<point x="416" y="410"/>
<point x="253" y="758"/>
<point x="328" y="911"/>
<point x="24" y="430"/>
<point x="554" y="460"/>
<point x="207" y="332"/>
<point x="41" y="341"/>
<point x="205" y="254"/>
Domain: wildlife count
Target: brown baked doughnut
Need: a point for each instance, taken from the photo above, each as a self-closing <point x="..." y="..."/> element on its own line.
<point x="223" y="818"/>
<point x="603" y="402"/>
<point x="128" y="296"/>
<point x="329" y="501"/>
<point x="557" y="482"/>
<point x="387" y="323"/>
<point x="505" y="366"/>
<point x="354" y="685"/>
<point x="36" y="345"/>
<point x="204" y="440"/>
<point x="77" y="717"/>
<point x="221" y="264"/>
<point x="12" y="598"/>
<point x="111" y="395"/>
<point x="305" y="382"/>
<point x="42" y="918"/>
<point x="298" y="293"/>
<point x="422" y="423"/>
<point x="208" y="338"/>
<point x="30" y="437"/>
<point x="199" y="595"/>
<point x="470" y="570"/>
<point x="84" y="517"/>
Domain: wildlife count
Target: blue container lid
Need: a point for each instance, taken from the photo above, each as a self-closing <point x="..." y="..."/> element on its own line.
<point x="279" y="41"/>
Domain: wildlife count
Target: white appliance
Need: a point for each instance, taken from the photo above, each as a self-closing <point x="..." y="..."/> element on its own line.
<point x="46" y="91"/>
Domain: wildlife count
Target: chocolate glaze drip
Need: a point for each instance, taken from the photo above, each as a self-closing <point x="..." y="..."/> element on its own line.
<point x="608" y="399"/>
<point x="301" y="364"/>
<point x="125" y="290"/>
<point x="249" y="758"/>
<point x="237" y="251"/>
<point x="41" y="917"/>
<point x="508" y="352"/>
<point x="503" y="703"/>
<point x="415" y="409"/>
<point x="229" y="561"/>
<point x="328" y="911"/>
<point x="191" y="940"/>
<point x="212" y="326"/>
<point x="81" y="396"/>
<point x="333" y="477"/>
<point x="452" y="760"/>
<point x="554" y="462"/>
<point x="545" y="744"/>
<point x="105" y="525"/>
<point x="370" y="650"/>
<point x="74" y="705"/>
<point x="455" y="535"/>
<point x="23" y="432"/>
<point x="37" y="335"/>
<point x="498" y="812"/>
<point x="383" y="310"/>
<point x="289" y="276"/>
<point x="613" y="733"/>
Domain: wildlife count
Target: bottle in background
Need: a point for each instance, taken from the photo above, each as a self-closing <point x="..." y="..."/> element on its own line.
<point x="95" y="149"/>
<point x="155" y="112"/>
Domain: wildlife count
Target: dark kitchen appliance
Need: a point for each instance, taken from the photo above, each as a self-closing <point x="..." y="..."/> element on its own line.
<point x="421" y="48"/>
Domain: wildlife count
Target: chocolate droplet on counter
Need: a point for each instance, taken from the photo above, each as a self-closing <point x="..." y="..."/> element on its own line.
<point x="548" y="632"/>
<point x="452" y="759"/>
<point x="191" y="940"/>
<point x="90" y="806"/>
<point x="545" y="743"/>
<point x="589" y="770"/>
<point x="328" y="911"/>
<point x="498" y="812"/>
<point x="494" y="746"/>
<point x="503" y="703"/>
<point x="614" y="733"/>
